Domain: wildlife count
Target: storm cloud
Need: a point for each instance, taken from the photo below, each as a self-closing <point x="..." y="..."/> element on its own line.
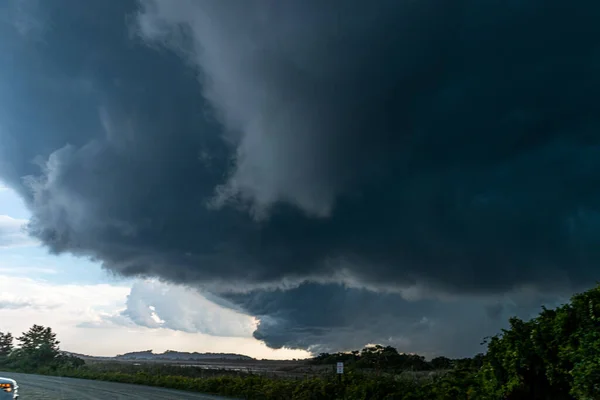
<point x="325" y="318"/>
<point x="394" y="161"/>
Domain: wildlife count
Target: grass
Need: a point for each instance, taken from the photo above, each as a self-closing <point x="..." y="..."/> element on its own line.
<point x="355" y="386"/>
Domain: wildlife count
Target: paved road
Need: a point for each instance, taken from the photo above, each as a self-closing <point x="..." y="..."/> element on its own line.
<point x="39" y="387"/>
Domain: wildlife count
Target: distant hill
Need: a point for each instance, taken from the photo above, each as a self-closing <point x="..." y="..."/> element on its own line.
<point x="180" y="355"/>
<point x="85" y="356"/>
<point x="170" y="355"/>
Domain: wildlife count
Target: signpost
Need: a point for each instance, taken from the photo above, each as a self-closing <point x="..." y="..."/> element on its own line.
<point x="340" y="370"/>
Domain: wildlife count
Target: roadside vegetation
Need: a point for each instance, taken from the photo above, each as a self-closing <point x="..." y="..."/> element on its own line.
<point x="555" y="356"/>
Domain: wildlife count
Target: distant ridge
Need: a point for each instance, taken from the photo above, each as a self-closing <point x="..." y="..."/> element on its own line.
<point x="180" y="355"/>
<point x="168" y="355"/>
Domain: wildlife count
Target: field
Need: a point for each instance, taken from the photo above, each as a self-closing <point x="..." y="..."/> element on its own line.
<point x="269" y="368"/>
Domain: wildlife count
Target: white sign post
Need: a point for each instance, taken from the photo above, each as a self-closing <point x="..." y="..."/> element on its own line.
<point x="340" y="368"/>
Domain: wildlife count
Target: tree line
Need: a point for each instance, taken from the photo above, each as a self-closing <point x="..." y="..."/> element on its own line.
<point x="554" y="356"/>
<point x="387" y="358"/>
<point x="36" y="350"/>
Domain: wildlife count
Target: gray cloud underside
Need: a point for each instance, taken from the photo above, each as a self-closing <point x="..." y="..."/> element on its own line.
<point x="239" y="145"/>
<point x="325" y="318"/>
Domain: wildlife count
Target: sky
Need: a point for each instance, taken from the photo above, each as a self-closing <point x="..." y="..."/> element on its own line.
<point x="285" y="178"/>
<point x="95" y="312"/>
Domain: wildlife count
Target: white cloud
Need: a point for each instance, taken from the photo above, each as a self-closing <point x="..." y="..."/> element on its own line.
<point x="12" y="233"/>
<point x="155" y="304"/>
<point x="91" y="319"/>
<point x="74" y="300"/>
<point x="12" y="304"/>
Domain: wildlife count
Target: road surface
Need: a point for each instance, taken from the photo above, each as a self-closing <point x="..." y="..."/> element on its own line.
<point x="39" y="387"/>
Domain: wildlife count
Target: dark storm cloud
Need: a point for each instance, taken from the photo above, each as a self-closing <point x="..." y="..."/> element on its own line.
<point x="325" y="318"/>
<point x="448" y="142"/>
<point x="443" y="145"/>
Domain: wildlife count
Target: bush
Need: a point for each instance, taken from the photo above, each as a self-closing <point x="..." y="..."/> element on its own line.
<point x="555" y="356"/>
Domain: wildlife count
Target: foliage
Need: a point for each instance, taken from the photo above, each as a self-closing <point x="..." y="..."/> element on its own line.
<point x="6" y="344"/>
<point x="441" y="363"/>
<point x="379" y="358"/>
<point x="37" y="338"/>
<point x="37" y="350"/>
<point x="555" y="356"/>
<point x="354" y="385"/>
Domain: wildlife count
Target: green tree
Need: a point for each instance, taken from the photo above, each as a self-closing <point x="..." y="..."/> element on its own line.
<point x="555" y="356"/>
<point x="70" y="361"/>
<point x="578" y="325"/>
<point x="38" y="346"/>
<point x="6" y="346"/>
<point x="441" y="363"/>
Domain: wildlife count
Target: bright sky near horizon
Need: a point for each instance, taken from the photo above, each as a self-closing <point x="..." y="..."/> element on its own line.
<point x="97" y="313"/>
